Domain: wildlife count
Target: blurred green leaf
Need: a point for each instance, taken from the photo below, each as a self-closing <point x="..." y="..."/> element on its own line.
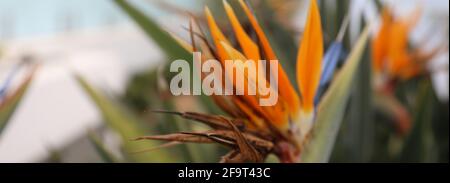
<point x="361" y="116"/>
<point x="166" y="42"/>
<point x="440" y="130"/>
<point x="332" y="107"/>
<point x="356" y="137"/>
<point x="101" y="150"/>
<point x="416" y="147"/>
<point x="127" y="126"/>
<point x="142" y="95"/>
<point x="8" y="106"/>
<point x="54" y="156"/>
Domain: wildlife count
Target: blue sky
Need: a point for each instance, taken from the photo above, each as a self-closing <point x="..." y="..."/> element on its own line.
<point x="25" y="18"/>
<point x="31" y="17"/>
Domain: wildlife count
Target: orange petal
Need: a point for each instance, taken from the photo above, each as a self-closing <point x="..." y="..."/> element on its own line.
<point x="411" y="71"/>
<point x="217" y="36"/>
<point x="235" y="55"/>
<point x="286" y="90"/>
<point x="309" y="59"/>
<point x="250" y="49"/>
<point x="398" y="48"/>
<point x="270" y="54"/>
<point x="380" y="42"/>
<point x="256" y="121"/>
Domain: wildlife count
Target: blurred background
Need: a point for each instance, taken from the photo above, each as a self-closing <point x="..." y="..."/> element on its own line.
<point x="60" y="120"/>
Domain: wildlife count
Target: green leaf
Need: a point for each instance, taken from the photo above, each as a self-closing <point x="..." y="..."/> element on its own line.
<point x="355" y="141"/>
<point x="9" y="105"/>
<point x="127" y="126"/>
<point x="416" y="148"/>
<point x="101" y="150"/>
<point x="166" y="42"/>
<point x="332" y="107"/>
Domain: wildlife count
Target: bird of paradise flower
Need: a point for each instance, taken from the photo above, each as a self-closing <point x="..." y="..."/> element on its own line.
<point x="281" y="128"/>
<point x="253" y="131"/>
<point x="393" y="61"/>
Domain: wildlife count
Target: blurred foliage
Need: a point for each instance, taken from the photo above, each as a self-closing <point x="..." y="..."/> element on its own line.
<point x="106" y="155"/>
<point x="368" y="132"/>
<point x="130" y="126"/>
<point x="139" y="92"/>
<point x="127" y="126"/>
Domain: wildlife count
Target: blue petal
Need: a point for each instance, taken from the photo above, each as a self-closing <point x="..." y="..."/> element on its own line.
<point x="330" y="61"/>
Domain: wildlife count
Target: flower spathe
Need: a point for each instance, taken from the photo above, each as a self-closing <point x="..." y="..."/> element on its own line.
<point x="287" y="123"/>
